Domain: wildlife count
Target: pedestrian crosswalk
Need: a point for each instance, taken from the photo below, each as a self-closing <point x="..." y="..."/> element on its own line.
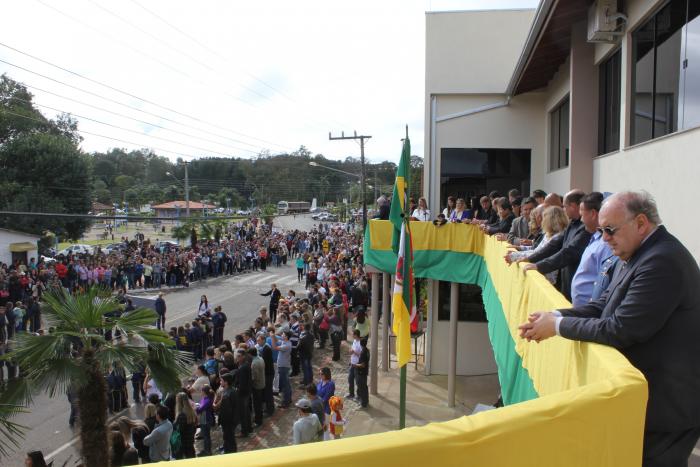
<point x="266" y="278"/>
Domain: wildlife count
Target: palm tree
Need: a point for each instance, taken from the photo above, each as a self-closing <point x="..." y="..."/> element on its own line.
<point x="75" y="354"/>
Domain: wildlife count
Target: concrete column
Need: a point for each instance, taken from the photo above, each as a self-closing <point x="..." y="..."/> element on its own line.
<point x="374" y="333"/>
<point x="386" y="319"/>
<point x="583" y="110"/>
<point x="452" y="354"/>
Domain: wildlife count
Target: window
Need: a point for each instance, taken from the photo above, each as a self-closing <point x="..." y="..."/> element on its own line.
<point x="559" y="136"/>
<point x="469" y="302"/>
<point x="609" y="105"/>
<point x="666" y="68"/>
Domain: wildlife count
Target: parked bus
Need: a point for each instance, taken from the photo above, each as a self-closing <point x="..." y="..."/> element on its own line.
<point x="284" y="207"/>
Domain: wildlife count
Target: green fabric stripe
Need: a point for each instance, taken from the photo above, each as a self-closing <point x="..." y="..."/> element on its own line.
<point x="469" y="268"/>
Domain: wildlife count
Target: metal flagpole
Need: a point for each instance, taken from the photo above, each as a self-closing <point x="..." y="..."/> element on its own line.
<point x="402" y="381"/>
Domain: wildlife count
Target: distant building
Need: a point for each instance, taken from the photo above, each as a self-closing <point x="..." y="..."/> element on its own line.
<point x="16" y="245"/>
<point x="170" y="209"/>
<point x="98" y="207"/>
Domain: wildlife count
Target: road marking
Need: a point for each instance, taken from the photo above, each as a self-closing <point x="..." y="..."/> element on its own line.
<point x="248" y="278"/>
<point x="265" y="278"/>
<point x="70" y="443"/>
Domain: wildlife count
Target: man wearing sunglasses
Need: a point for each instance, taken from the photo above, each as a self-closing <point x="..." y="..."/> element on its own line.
<point x="650" y="312"/>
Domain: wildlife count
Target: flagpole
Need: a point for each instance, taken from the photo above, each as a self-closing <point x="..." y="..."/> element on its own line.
<point x="402" y="382"/>
<point x="402" y="399"/>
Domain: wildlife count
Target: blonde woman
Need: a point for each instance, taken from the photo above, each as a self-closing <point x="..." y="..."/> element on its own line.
<point x="421" y="213"/>
<point x="553" y="221"/>
<point x="186" y="424"/>
<point x="135" y="431"/>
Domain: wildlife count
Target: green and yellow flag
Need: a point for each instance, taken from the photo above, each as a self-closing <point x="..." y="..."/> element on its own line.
<point x="403" y="308"/>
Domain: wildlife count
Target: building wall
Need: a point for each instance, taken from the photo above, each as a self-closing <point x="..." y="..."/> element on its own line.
<point x="467" y="52"/>
<point x="667" y="168"/>
<point x="6" y="238"/>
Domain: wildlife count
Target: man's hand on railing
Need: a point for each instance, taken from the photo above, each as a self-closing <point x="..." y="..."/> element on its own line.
<point x="529" y="266"/>
<point x="501" y="237"/>
<point x="540" y="325"/>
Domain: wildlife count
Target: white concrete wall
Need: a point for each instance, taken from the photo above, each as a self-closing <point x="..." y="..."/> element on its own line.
<point x="668" y="169"/>
<point x="467" y="52"/>
<point x="6" y="238"/>
<point x="474" y="351"/>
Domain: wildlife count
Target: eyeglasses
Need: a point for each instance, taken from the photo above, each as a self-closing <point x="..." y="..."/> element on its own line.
<point x="610" y="231"/>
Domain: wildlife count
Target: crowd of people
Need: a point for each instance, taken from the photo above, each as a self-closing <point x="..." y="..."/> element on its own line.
<point x="555" y="235"/>
<point x="267" y="367"/>
<point x="236" y="383"/>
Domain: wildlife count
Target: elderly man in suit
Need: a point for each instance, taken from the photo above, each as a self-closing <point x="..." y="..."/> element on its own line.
<point x="651" y="314"/>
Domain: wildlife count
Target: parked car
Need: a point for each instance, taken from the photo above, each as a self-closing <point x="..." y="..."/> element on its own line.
<point x="113" y="248"/>
<point x="77" y="249"/>
<point x="243" y="212"/>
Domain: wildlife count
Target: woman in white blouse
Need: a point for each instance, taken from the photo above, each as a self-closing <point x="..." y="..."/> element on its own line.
<point x="421" y="213"/>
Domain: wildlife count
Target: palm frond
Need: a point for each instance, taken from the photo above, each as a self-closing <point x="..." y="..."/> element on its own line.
<point x="129" y="356"/>
<point x="10" y="432"/>
<point x="168" y="367"/>
<point x="135" y="320"/>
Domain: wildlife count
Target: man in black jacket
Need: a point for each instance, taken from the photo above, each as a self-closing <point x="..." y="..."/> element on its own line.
<point x="505" y="219"/>
<point x="275" y="296"/>
<point x="243" y="382"/>
<point x="228" y="413"/>
<point x="265" y="351"/>
<point x="564" y="251"/>
<point x="650" y="312"/>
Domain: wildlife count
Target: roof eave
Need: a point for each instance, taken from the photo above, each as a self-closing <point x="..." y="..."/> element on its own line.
<point x="542" y="15"/>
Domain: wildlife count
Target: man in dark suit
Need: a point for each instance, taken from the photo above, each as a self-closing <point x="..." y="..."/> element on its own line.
<point x="651" y="314"/>
<point x="275" y="296"/>
<point x="564" y="251"/>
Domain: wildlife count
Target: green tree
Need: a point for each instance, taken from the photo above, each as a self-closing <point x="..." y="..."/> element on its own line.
<point x="44" y="172"/>
<point x="76" y="355"/>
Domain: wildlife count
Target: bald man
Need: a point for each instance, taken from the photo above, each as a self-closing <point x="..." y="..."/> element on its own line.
<point x="650" y="312"/>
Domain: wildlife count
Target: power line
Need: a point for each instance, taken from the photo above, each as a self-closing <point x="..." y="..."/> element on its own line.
<point x="133" y="118"/>
<point x="135" y="49"/>
<point x="121" y="92"/>
<point x="110" y="137"/>
<point x="219" y="56"/>
<point x="149" y="56"/>
<point x="158" y="39"/>
<point x="141" y="133"/>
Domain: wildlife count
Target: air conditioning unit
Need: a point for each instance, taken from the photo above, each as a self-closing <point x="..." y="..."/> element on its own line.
<point x="603" y="23"/>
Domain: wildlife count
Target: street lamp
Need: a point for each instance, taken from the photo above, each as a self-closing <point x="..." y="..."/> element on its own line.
<point x="361" y="176"/>
<point x="187" y="189"/>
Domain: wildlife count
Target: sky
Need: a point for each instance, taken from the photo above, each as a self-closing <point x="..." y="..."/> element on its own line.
<point x="229" y="78"/>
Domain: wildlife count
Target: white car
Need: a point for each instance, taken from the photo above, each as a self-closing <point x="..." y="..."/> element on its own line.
<point x="243" y="212"/>
<point x="77" y="249"/>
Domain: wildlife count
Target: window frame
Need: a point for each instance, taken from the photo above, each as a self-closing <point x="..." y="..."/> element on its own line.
<point x="557" y="160"/>
<point x="610" y="103"/>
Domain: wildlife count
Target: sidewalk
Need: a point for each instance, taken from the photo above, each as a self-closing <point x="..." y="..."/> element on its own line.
<point x="426" y="402"/>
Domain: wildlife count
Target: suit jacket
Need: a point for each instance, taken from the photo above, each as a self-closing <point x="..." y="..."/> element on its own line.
<point x="563" y="252"/>
<point x="519" y="229"/>
<point x="651" y="313"/>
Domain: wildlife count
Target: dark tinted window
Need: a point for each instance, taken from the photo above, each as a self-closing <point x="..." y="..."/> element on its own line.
<point x="609" y="105"/>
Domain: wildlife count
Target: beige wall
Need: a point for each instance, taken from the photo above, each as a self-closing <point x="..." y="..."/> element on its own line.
<point x="520" y="125"/>
<point x="668" y="169"/>
<point x="467" y="52"/>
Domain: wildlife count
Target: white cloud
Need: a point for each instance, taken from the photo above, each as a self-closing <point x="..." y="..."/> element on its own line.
<point x="279" y="71"/>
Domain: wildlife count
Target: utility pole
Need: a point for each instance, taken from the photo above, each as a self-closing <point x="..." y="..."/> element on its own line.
<point x="187" y="193"/>
<point x="362" y="139"/>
